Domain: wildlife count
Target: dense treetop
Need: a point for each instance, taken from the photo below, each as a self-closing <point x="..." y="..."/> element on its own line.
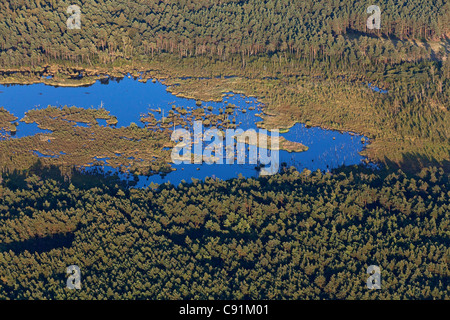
<point x="289" y="236"/>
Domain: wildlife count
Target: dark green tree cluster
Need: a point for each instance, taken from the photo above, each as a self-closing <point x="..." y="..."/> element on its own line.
<point x="35" y="31"/>
<point x="289" y="236"/>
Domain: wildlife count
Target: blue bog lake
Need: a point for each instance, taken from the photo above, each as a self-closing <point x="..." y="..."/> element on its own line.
<point x="128" y="99"/>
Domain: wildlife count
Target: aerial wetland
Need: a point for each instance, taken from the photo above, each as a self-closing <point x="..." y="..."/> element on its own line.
<point x="123" y="126"/>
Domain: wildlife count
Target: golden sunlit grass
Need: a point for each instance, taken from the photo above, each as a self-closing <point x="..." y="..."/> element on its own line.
<point x="130" y="148"/>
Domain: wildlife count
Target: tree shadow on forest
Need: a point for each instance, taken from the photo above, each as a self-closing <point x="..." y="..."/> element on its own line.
<point x="433" y="55"/>
<point x="39" y="245"/>
<point x="356" y="34"/>
<point x="413" y="162"/>
<point x="353" y="34"/>
<point x="79" y="179"/>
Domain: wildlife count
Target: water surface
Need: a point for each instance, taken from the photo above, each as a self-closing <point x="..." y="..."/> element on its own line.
<point x="128" y="99"/>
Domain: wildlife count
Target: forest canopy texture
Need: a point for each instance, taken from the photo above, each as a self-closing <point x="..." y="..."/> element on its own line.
<point x="290" y="236"/>
<point x="31" y="30"/>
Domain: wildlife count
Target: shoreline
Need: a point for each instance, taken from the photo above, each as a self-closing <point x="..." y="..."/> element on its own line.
<point x="138" y="74"/>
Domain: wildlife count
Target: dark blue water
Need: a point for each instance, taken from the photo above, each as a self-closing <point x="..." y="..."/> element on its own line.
<point x="129" y="99"/>
<point x="376" y="89"/>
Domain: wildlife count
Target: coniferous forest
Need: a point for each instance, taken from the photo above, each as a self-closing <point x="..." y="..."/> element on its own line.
<point x="33" y="31"/>
<point x="291" y="236"/>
